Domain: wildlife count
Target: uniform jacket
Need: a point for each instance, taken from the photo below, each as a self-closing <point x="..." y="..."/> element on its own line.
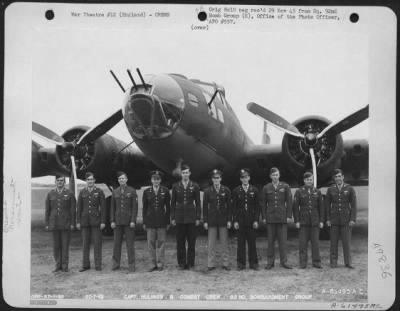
<point x="277" y="203"/>
<point x="185" y="203"/>
<point x="91" y="207"/>
<point x="246" y="205"/>
<point x="124" y="206"/>
<point x="60" y="210"/>
<point x="156" y="207"/>
<point x="217" y="209"/>
<point x="308" y="208"/>
<point x="341" y="205"/>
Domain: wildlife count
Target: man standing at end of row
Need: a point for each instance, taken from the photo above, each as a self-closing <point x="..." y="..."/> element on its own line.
<point x="156" y="212"/>
<point x="246" y="213"/>
<point x="217" y="218"/>
<point x="91" y="217"/>
<point x="308" y="211"/>
<point x="341" y="208"/>
<point x="123" y="215"/>
<point x="277" y="209"/>
<point x="60" y="219"/>
<point x="185" y="215"/>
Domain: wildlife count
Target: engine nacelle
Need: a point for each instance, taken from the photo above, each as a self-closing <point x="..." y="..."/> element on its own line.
<point x="103" y="156"/>
<point x="328" y="149"/>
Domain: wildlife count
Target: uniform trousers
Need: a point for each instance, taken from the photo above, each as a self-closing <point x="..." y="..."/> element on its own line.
<point x="61" y="239"/>
<point x="91" y="234"/>
<point x="345" y="234"/>
<point x="185" y="232"/>
<point x="130" y="245"/>
<point x="309" y="233"/>
<point x="246" y="234"/>
<point x="212" y="241"/>
<point x="277" y="231"/>
<point x="156" y="244"/>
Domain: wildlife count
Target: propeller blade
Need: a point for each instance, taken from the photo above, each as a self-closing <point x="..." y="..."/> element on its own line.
<point x="347" y="123"/>
<point x="274" y="119"/>
<point x="102" y="128"/>
<point x="47" y="134"/>
<point x="73" y="187"/>
<point x="314" y="166"/>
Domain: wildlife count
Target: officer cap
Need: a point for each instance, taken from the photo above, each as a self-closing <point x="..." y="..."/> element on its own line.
<point x="244" y="172"/>
<point x="156" y="173"/>
<point x="307" y="175"/>
<point x="185" y="167"/>
<point x="120" y="173"/>
<point x="337" y="171"/>
<point x="273" y="170"/>
<point x="215" y="173"/>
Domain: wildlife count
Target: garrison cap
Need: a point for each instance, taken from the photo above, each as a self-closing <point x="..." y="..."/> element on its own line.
<point x="59" y="176"/>
<point x="215" y="173"/>
<point x="156" y="173"/>
<point x="244" y="172"/>
<point x="273" y="170"/>
<point x="337" y="171"/>
<point x="89" y="174"/>
<point x="185" y="167"/>
<point x="307" y="175"/>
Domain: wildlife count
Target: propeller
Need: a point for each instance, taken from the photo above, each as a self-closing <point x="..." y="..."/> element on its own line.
<point x="311" y="136"/>
<point x="77" y="145"/>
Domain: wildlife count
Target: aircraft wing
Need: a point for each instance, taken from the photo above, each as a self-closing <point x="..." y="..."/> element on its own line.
<point x="353" y="160"/>
<point x="107" y="155"/>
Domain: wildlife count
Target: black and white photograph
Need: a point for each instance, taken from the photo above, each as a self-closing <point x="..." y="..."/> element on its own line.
<point x="199" y="156"/>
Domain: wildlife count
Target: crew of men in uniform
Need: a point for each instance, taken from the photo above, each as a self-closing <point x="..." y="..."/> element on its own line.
<point x="222" y="209"/>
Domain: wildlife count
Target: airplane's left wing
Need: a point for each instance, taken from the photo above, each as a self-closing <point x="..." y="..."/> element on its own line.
<point x="104" y="157"/>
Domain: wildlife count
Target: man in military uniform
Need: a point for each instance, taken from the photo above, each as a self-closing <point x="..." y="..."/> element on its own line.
<point x="341" y="208"/>
<point x="123" y="214"/>
<point x="217" y="216"/>
<point x="185" y="215"/>
<point x="91" y="216"/>
<point x="60" y="219"/>
<point x="246" y="213"/>
<point x="277" y="209"/>
<point x="156" y="213"/>
<point x="308" y="212"/>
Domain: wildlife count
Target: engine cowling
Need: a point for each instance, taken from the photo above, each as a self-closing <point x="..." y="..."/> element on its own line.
<point x="103" y="156"/>
<point x="328" y="149"/>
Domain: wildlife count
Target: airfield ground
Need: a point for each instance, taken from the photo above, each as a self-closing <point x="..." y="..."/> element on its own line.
<point x="325" y="285"/>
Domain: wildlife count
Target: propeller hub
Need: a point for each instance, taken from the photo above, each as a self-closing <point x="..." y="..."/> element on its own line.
<point x="310" y="139"/>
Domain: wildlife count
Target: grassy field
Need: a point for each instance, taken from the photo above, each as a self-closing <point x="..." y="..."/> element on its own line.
<point x="333" y="285"/>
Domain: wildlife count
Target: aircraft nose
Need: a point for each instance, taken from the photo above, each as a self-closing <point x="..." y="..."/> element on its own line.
<point x="148" y="117"/>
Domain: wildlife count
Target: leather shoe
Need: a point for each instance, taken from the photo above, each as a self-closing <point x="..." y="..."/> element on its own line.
<point x="317" y="265"/>
<point x="349" y="266"/>
<point x="240" y="268"/>
<point x="65" y="270"/>
<point x="153" y="269"/>
<point x="83" y="269"/>
<point x="56" y="270"/>
<point x="333" y="265"/>
<point x="303" y="266"/>
<point x="98" y="268"/>
<point x="254" y="267"/>
<point x="269" y="266"/>
<point x="286" y="266"/>
<point x="226" y="268"/>
<point x="115" y="268"/>
<point x="211" y="268"/>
